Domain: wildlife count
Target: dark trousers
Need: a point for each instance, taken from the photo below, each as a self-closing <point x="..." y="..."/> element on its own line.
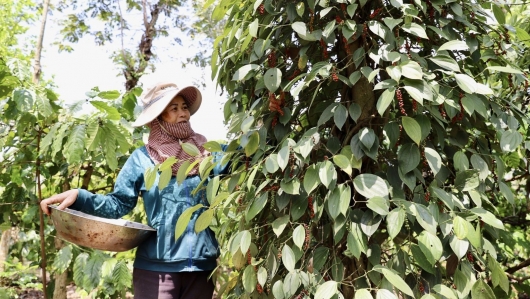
<point x="172" y="285"/>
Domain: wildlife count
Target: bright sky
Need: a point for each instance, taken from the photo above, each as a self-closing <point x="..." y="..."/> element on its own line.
<point x="89" y="66"/>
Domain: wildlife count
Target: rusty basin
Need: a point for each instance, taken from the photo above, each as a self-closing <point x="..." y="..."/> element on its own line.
<point x="97" y="232"/>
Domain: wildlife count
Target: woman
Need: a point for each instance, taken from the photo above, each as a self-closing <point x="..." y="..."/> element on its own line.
<point x="163" y="267"/>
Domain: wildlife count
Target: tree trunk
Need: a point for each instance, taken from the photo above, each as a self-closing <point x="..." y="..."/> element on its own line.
<point x="60" y="290"/>
<point x="4" y="248"/>
<point x="132" y="72"/>
<point x="60" y="278"/>
<point x="38" y="50"/>
<point x="354" y="268"/>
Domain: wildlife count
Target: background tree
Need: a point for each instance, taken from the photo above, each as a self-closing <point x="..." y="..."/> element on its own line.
<point x="30" y="152"/>
<point x="15" y="15"/>
<point x="383" y="142"/>
<point x="154" y="19"/>
<point x="35" y="128"/>
<point x="12" y="17"/>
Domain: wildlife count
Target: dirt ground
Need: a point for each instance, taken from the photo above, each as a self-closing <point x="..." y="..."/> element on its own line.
<point x="30" y="294"/>
<point x="70" y="294"/>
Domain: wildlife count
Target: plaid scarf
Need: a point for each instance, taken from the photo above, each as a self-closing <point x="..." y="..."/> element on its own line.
<point x="164" y="142"/>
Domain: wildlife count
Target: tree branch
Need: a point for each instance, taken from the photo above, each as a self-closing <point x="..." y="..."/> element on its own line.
<point x="144" y="10"/>
<point x="518" y="220"/>
<point x="518" y="267"/>
<point x="132" y="74"/>
<point x="87" y="176"/>
<point x="519" y="177"/>
<point x="518" y="279"/>
<point x="122" y="25"/>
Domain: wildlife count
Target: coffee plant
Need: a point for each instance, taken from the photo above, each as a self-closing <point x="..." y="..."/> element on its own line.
<point x="39" y="138"/>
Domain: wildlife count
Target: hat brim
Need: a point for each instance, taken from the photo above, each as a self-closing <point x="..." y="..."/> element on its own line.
<point x="191" y="95"/>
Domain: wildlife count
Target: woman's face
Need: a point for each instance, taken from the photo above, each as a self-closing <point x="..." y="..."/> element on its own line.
<point x="176" y="112"/>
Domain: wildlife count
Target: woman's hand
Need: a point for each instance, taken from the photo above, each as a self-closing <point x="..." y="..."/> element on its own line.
<point x="64" y="200"/>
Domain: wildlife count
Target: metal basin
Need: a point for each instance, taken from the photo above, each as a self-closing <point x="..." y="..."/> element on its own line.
<point x="97" y="232"/>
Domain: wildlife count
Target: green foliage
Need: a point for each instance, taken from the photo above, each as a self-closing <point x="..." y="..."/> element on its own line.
<point x="17" y="16"/>
<point x="383" y="129"/>
<point x="37" y="135"/>
<point x="18" y="275"/>
<point x="63" y="259"/>
<point x="110" y="277"/>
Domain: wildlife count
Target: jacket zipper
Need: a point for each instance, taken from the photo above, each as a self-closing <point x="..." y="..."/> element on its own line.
<point x="189" y="230"/>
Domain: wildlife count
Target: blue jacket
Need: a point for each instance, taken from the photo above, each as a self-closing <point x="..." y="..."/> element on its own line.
<point x="160" y="252"/>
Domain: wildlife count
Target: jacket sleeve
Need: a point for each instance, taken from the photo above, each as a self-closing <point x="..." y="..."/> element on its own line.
<point x="120" y="201"/>
<point x="217" y="157"/>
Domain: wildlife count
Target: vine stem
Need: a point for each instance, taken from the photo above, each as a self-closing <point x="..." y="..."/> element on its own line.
<point x="41" y="216"/>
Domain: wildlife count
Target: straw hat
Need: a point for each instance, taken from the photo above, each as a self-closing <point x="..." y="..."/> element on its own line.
<point x="156" y="98"/>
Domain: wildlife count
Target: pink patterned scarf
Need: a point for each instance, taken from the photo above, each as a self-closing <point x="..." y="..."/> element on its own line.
<point x="164" y="142"/>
